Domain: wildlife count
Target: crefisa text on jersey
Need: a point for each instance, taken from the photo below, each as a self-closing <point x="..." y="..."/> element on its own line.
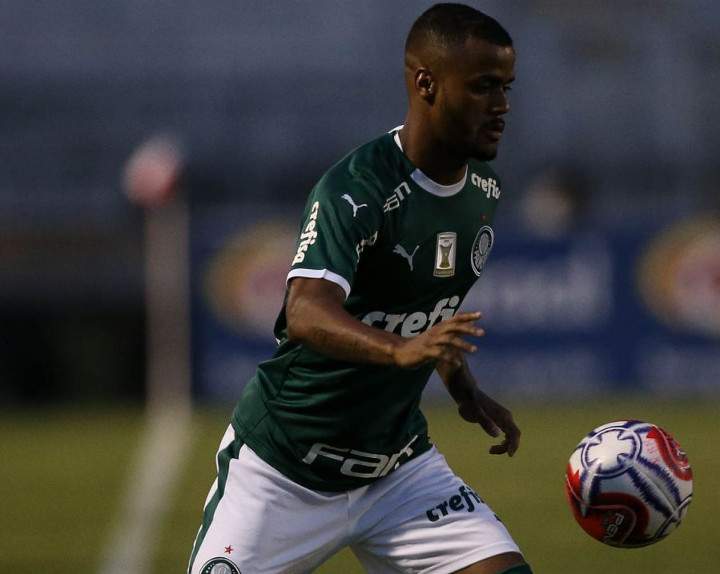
<point x="309" y="235"/>
<point x="413" y="324"/>
<point x="487" y="184"/>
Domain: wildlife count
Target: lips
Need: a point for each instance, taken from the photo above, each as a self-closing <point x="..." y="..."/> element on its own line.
<point x="494" y="129"/>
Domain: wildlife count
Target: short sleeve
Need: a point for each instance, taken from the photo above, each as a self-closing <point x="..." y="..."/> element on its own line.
<point x="341" y="220"/>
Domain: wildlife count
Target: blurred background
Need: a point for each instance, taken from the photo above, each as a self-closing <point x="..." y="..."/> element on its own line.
<point x="155" y="159"/>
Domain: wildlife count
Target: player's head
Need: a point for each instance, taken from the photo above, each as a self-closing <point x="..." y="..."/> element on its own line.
<point x="459" y="63"/>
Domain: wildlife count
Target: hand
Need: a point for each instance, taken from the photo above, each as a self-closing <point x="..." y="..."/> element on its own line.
<point x="494" y="419"/>
<point x="439" y="343"/>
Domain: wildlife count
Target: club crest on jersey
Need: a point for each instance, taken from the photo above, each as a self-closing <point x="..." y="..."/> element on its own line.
<point x="219" y="566"/>
<point x="445" y="249"/>
<point x="481" y="248"/>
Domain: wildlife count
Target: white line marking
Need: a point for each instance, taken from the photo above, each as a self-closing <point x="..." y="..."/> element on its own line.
<point x="157" y="467"/>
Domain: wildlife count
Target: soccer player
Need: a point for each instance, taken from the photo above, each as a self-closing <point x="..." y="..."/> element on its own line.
<point x="327" y="447"/>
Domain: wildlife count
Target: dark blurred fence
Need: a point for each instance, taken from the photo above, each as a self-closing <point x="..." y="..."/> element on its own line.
<point x="618" y="98"/>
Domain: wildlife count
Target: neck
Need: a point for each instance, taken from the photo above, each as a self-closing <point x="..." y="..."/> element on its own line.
<point x="429" y="155"/>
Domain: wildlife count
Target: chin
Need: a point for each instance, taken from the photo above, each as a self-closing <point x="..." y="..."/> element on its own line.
<point x="485" y="154"/>
<point x="483" y="150"/>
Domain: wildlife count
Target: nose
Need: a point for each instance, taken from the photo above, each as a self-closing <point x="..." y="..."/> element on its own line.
<point x="500" y="103"/>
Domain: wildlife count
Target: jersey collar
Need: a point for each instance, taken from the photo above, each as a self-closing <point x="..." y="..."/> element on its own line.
<point x="425" y="182"/>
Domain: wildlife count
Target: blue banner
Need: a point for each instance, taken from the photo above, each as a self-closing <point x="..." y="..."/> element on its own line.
<point x="594" y="312"/>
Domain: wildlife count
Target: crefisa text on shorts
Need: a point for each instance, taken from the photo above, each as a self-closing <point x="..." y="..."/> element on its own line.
<point x="456" y="503"/>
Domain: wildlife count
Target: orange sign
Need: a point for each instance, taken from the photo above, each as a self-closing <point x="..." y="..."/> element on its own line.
<point x="679" y="276"/>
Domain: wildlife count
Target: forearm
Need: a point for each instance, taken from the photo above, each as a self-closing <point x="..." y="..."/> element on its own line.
<point x="316" y="317"/>
<point x="459" y="381"/>
<point x="332" y="331"/>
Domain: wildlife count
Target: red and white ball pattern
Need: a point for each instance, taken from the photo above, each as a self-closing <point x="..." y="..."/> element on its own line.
<point x="629" y="483"/>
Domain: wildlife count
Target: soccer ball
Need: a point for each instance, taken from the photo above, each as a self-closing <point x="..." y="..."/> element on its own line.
<point x="628" y="483"/>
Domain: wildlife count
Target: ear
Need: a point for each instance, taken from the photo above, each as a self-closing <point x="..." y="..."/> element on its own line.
<point x="425" y="84"/>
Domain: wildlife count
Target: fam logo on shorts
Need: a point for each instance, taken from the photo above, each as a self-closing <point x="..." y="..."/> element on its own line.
<point x="219" y="566"/>
<point x="481" y="248"/>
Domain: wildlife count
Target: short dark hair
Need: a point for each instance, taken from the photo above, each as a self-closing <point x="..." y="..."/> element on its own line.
<point x="450" y="25"/>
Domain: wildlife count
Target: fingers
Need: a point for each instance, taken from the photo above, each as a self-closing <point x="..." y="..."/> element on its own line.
<point x="446" y="344"/>
<point x="457" y="342"/>
<point x="488" y="425"/>
<point x="448" y="333"/>
<point x="442" y="353"/>
<point x="462" y="323"/>
<point x="463" y="329"/>
<point x="499" y="420"/>
<point x="511" y="442"/>
<point x="465" y="316"/>
<point x="512" y="436"/>
<point x="448" y="352"/>
<point x="443" y="341"/>
<point x="506" y="446"/>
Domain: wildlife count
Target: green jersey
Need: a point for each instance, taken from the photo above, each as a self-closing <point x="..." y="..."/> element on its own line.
<point x="405" y="250"/>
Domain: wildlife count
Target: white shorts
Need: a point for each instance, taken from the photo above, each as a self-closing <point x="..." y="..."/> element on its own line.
<point x="420" y="519"/>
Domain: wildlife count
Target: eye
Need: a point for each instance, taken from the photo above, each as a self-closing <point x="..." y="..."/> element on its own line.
<point x="488" y="87"/>
<point x="482" y="88"/>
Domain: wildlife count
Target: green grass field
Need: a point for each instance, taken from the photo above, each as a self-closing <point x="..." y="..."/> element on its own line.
<point x="63" y="472"/>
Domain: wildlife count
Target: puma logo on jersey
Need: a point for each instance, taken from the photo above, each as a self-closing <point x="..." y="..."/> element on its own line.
<point x="487" y="184"/>
<point x="412" y="324"/>
<point x="400" y="250"/>
<point x="355" y="207"/>
<point x="456" y="503"/>
<point x="309" y="235"/>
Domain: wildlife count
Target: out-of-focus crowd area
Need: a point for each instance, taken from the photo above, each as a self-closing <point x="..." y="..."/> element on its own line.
<point x="606" y="274"/>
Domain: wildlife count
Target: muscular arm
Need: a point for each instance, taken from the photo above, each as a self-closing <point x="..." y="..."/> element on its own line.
<point x="316" y="318"/>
